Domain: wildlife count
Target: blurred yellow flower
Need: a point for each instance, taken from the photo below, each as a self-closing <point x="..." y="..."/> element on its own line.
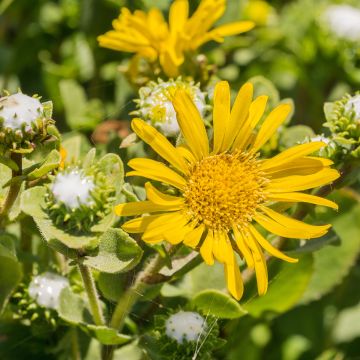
<point x="148" y="34"/>
<point x="223" y="187"/>
<point x="258" y="11"/>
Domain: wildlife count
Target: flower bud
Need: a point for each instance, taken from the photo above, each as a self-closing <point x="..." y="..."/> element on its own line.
<point x="23" y="122"/>
<point x="155" y="106"/>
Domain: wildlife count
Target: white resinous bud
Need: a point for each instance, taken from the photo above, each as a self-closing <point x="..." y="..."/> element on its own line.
<point x="19" y="109"/>
<point x="344" y="21"/>
<point x="354" y="104"/>
<point x="45" y="289"/>
<point x="73" y="189"/>
<point x="155" y="104"/>
<point x="185" y="325"/>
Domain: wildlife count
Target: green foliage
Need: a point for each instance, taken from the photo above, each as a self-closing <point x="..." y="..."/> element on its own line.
<point x="217" y="304"/>
<point x="117" y="252"/>
<point x="10" y="269"/>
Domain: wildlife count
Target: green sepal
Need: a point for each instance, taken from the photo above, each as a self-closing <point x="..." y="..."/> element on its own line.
<point x="117" y="252"/>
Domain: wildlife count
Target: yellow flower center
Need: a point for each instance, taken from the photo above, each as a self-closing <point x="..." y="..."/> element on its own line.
<point x="225" y="190"/>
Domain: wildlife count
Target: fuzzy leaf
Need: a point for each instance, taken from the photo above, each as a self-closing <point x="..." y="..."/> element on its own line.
<point x="9" y="163"/>
<point x="118" y="252"/>
<point x="332" y="263"/>
<point x="107" y="336"/>
<point x="76" y="145"/>
<point x="219" y="304"/>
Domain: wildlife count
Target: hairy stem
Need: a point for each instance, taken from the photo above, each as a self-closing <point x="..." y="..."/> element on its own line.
<point x="75" y="350"/>
<point x="13" y="189"/>
<point x="92" y="294"/>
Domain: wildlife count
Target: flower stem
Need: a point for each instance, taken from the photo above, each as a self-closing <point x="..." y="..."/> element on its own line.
<point x="92" y="294"/>
<point x="13" y="189"/>
<point x="133" y="293"/>
<point x="75" y="351"/>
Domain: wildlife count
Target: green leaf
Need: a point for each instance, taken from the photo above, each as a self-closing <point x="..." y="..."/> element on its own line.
<point x="203" y="277"/>
<point x="32" y="202"/>
<point x="219" y="304"/>
<point x="51" y="162"/>
<point x="89" y="158"/>
<point x="295" y="135"/>
<point x="108" y="336"/>
<point x="285" y="288"/>
<point x="81" y="113"/>
<point x="76" y="145"/>
<point x="347" y="325"/>
<point x="9" y="163"/>
<point x="111" y="285"/>
<point x="113" y="167"/>
<point x="329" y="111"/>
<point x="74" y="310"/>
<point x="10" y="269"/>
<point x="332" y="263"/>
<point x="118" y="252"/>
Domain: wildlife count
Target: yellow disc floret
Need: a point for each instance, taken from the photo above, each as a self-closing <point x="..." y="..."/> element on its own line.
<point x="225" y="189"/>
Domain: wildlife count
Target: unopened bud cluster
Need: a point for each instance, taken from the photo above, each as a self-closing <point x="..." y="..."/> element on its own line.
<point x="343" y="121"/>
<point x="36" y="302"/>
<point x="79" y="198"/>
<point x="155" y="106"/>
<point x="24" y="122"/>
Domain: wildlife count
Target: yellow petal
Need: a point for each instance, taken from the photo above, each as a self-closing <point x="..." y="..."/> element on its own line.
<point x="255" y="112"/>
<point x="305" y="182"/>
<point x="270" y="125"/>
<point x="178" y="15"/>
<point x="159" y="198"/>
<point x="239" y="114"/>
<point x="306" y="165"/>
<point x="139" y="224"/>
<point x="243" y="247"/>
<point x="186" y="153"/>
<point x="177" y="234"/>
<point x="268" y="247"/>
<point x="288" y="232"/>
<point x="301" y="197"/>
<point x="222" y="247"/>
<point x="160" y="144"/>
<point x="233" y="279"/>
<point x="162" y="224"/>
<point x="291" y="154"/>
<point x="293" y="223"/>
<point x="221" y="114"/>
<point x="142" y="207"/>
<point x="193" y="237"/>
<point x="260" y="266"/>
<point x="170" y="63"/>
<point x="155" y="170"/>
<point x="206" y="249"/>
<point x="191" y="124"/>
<point x="233" y="28"/>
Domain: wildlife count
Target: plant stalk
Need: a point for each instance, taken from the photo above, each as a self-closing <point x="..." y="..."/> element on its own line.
<point x="13" y="189"/>
<point x="92" y="294"/>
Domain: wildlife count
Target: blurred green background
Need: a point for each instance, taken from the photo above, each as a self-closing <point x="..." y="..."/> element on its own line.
<point x="50" y="48"/>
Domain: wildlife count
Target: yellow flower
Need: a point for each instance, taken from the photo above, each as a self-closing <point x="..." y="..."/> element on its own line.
<point x="258" y="11"/>
<point x="148" y="34"/>
<point x="224" y="189"/>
